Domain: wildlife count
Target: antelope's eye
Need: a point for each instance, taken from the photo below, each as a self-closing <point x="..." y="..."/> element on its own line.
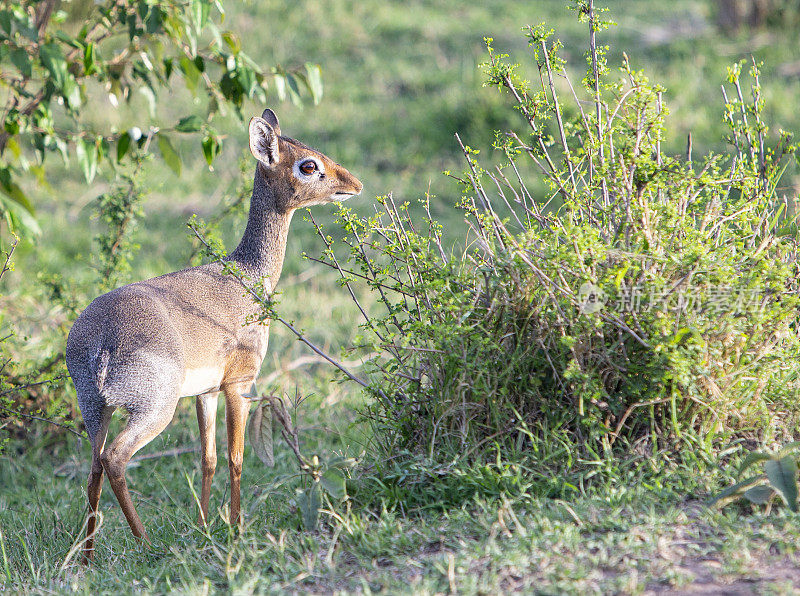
<point x="308" y="167"/>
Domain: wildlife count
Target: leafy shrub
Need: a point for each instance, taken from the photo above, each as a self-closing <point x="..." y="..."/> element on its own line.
<point x="643" y="298"/>
<point x="24" y="391"/>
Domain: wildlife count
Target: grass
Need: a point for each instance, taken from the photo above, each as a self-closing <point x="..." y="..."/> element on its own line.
<point x="629" y="539"/>
<point x="400" y="79"/>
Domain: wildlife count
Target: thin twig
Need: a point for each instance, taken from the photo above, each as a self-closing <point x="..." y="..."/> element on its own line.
<point x="259" y="300"/>
<point x="335" y="261"/>
<point x="597" y="102"/>
<point x="306" y="360"/>
<point x="53" y="422"/>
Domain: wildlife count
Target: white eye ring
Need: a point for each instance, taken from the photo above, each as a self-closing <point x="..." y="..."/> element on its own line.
<point x="320" y="169"/>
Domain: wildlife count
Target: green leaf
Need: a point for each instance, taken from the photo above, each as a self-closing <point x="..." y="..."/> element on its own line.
<point x="72" y="93"/>
<point x="684" y="335"/>
<point x="211" y="148"/>
<point x="89" y="65"/>
<point x="67" y="39"/>
<point x="13" y="191"/>
<point x="293" y="90"/>
<point x="752" y="458"/>
<point x="190" y="73"/>
<point x="280" y="85"/>
<point x="18" y="217"/>
<point x="53" y="60"/>
<point x="736" y="489"/>
<point x="314" y="80"/>
<point x="260" y="431"/>
<point x="621" y="275"/>
<point x="103" y="149"/>
<point x="200" y="9"/>
<point x="123" y="144"/>
<point x="25" y="26"/>
<point x="334" y="483"/>
<point x="153" y="20"/>
<point x="5" y="21"/>
<point x="87" y="158"/>
<point x="169" y="63"/>
<point x="760" y="494"/>
<point x="782" y="474"/>
<point x="189" y="124"/>
<point x="309" y="502"/>
<point x="22" y="61"/>
<point x="171" y="157"/>
<point x="11" y="124"/>
<point x="247" y="79"/>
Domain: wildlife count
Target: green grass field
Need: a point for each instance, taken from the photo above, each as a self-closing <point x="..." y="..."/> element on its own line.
<point x="400" y="78"/>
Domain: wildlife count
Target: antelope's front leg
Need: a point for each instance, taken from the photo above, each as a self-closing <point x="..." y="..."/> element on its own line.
<point x="207" y="421"/>
<point x="236" y="411"/>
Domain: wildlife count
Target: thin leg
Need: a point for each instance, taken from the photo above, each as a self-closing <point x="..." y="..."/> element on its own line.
<point x="236" y="410"/>
<point x="95" y="483"/>
<point x="207" y="420"/>
<point x="139" y="432"/>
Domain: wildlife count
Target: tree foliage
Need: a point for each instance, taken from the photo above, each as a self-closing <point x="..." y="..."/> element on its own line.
<point x="62" y="61"/>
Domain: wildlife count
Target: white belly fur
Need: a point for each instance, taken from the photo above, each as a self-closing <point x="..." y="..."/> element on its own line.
<point x="201" y="380"/>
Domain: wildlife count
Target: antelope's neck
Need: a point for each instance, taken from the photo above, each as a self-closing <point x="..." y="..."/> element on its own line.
<point x="262" y="249"/>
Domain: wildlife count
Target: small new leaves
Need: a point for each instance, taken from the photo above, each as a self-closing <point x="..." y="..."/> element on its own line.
<point x="260" y="431"/>
<point x="454" y="342"/>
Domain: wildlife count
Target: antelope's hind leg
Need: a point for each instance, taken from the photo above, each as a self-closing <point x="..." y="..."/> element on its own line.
<point x="98" y="432"/>
<point x="142" y="427"/>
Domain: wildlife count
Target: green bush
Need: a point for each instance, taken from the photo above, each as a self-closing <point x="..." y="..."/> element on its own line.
<point x="645" y="301"/>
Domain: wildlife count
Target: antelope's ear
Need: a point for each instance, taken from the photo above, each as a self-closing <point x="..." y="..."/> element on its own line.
<point x="263" y="141"/>
<point x="272" y="120"/>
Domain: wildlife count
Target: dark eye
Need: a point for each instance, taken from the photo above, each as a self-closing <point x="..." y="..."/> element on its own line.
<point x="308" y="167"/>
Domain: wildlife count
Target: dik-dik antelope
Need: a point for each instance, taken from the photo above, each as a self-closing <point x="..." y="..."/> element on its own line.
<point x="143" y="346"/>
